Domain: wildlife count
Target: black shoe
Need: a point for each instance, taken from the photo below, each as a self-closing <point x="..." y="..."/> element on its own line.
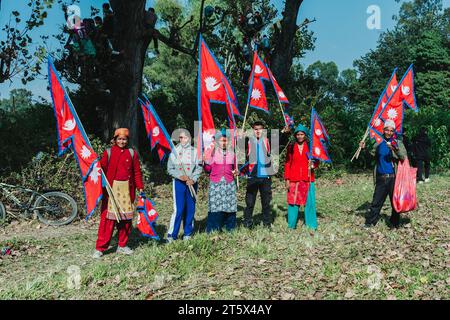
<point x="248" y="225"/>
<point x="368" y="225"/>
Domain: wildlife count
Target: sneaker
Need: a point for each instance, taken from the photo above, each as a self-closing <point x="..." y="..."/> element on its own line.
<point x="124" y="250"/>
<point x="427" y="180"/>
<point x="421" y="181"/>
<point x="367" y="226"/>
<point x="186" y="238"/>
<point x="97" y="254"/>
<point x="169" y="240"/>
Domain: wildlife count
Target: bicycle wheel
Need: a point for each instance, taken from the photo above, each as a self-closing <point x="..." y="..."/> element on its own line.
<point x="2" y="212"/>
<point x="55" y="208"/>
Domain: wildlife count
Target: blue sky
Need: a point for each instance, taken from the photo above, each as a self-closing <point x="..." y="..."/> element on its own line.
<point x="341" y="30"/>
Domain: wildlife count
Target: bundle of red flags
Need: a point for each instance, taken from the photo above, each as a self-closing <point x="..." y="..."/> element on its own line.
<point x="71" y="135"/>
<point x="391" y="104"/>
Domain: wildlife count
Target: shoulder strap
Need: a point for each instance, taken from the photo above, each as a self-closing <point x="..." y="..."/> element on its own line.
<point x="131" y="152"/>
<point x="108" y="151"/>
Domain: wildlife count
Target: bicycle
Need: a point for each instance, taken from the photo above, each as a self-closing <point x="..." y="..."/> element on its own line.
<point x="52" y="207"/>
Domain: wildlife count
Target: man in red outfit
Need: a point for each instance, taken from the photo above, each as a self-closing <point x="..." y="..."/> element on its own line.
<point x="123" y="172"/>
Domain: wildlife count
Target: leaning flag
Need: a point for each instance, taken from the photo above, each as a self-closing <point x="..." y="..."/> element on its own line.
<point x="71" y="135"/>
<point x="394" y="109"/>
<point x="376" y="124"/>
<point x="319" y="139"/>
<point x="156" y="132"/>
<point x="213" y="86"/>
<point x="147" y="217"/>
<point x="280" y="94"/>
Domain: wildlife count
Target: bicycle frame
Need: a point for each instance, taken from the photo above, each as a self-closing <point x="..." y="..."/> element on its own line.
<point x="9" y="196"/>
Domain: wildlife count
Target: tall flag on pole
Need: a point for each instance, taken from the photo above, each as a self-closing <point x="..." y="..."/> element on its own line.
<point x="403" y="94"/>
<point x="156" y="132"/>
<point x="376" y="124"/>
<point x="71" y="135"/>
<point x="257" y="92"/>
<point x="213" y="86"/>
<point x="319" y="142"/>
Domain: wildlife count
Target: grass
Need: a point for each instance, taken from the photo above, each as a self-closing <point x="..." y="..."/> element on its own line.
<point x="339" y="261"/>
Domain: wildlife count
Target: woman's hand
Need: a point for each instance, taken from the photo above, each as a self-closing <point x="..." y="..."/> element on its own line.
<point x="362" y="144"/>
<point x="184" y="178"/>
<point x="287" y="184"/>
<point x="190" y="182"/>
<point x="235" y="172"/>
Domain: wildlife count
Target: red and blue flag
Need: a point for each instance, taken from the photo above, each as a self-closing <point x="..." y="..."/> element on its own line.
<point x="156" y="132"/>
<point x="71" y="135"/>
<point x="147" y="216"/>
<point x="319" y="139"/>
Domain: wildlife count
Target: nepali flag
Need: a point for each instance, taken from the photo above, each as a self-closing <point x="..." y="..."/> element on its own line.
<point x="147" y="216"/>
<point x="288" y="120"/>
<point x="404" y="93"/>
<point x="71" y="135"/>
<point x="319" y="139"/>
<point x="213" y="87"/>
<point x="376" y="124"/>
<point x="256" y="91"/>
<point x="280" y="94"/>
<point x="156" y="132"/>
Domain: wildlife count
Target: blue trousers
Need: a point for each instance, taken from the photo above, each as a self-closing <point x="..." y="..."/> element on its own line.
<point x="183" y="209"/>
<point x="216" y="220"/>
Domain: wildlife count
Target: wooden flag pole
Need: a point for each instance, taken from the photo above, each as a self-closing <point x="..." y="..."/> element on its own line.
<point x="358" y="151"/>
<point x="111" y="195"/>
<point x="245" y="118"/>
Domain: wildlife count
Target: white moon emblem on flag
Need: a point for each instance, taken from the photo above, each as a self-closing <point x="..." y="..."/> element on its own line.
<point x="155" y="131"/>
<point x="256" y="94"/>
<point x="406" y="90"/>
<point x="392" y="113"/>
<point x="317" y="151"/>
<point x="69" y="125"/>
<point x="318" y="132"/>
<point x="211" y="84"/>
<point x="152" y="212"/>
<point x="85" y="152"/>
<point x="393" y="87"/>
<point x="281" y="94"/>
<point x="258" y="69"/>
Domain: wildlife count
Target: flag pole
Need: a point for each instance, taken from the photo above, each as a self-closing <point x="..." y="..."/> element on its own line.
<point x="358" y="151"/>
<point x="111" y="195"/>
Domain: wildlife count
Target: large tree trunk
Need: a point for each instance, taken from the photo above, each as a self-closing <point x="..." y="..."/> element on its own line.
<point x="127" y="82"/>
<point x="281" y="61"/>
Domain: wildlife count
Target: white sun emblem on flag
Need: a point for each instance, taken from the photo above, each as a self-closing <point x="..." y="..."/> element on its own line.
<point x="258" y="69"/>
<point x="95" y="174"/>
<point x="406" y="90"/>
<point x="317" y="151"/>
<point x="256" y="94"/>
<point x="85" y="152"/>
<point x="155" y="131"/>
<point x="281" y="94"/>
<point x="207" y="139"/>
<point x="69" y="125"/>
<point x="318" y="132"/>
<point x="377" y="122"/>
<point x="152" y="212"/>
<point x="392" y="113"/>
<point x="211" y="84"/>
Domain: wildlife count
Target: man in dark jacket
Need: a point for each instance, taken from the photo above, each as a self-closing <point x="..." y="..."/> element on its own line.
<point x="386" y="152"/>
<point x="422" y="146"/>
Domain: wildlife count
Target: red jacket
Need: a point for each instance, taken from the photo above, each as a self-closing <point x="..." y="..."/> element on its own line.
<point x="122" y="168"/>
<point x="296" y="166"/>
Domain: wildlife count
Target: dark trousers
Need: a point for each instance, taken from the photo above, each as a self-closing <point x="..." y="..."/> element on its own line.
<point x="264" y="185"/>
<point x="384" y="187"/>
<point x="420" y="164"/>
<point x="217" y="220"/>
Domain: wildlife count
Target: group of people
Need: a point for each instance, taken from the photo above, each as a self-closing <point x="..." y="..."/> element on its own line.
<point x="123" y="172"/>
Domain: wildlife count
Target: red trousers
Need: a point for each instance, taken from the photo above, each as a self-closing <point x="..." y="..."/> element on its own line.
<point x="106" y="229"/>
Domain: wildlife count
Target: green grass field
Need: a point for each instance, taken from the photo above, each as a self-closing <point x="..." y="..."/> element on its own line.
<point x="339" y="261"/>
